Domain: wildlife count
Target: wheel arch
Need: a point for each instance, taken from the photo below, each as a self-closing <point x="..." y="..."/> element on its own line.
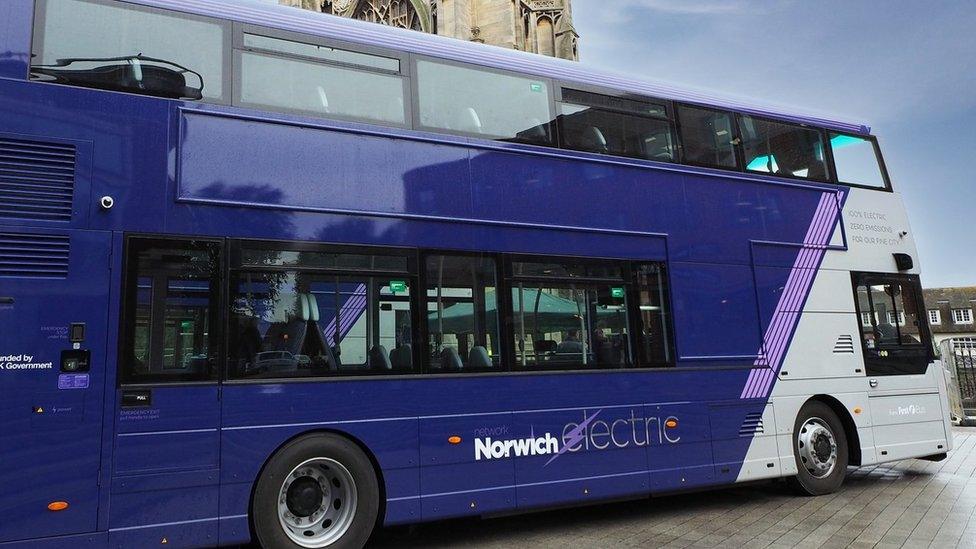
<point x="850" y="428"/>
<point x="381" y="484"/>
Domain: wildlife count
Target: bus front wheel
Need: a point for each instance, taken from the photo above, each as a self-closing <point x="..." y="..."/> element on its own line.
<point x="820" y="449"/>
<point x="317" y="491"/>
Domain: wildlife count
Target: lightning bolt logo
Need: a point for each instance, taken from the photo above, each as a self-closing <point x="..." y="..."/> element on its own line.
<point x="573" y="437"/>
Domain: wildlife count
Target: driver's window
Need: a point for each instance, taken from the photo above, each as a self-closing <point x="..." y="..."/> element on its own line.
<point x="894" y="337"/>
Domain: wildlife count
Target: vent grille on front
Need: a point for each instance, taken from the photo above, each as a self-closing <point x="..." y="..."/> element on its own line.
<point x="844" y="345"/>
<point x="34" y="255"/>
<point x="37" y="180"/>
<point x="752" y="425"/>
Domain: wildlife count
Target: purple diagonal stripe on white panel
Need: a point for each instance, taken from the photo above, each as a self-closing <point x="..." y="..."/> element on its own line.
<point x="787" y="314"/>
<point x="815" y="252"/>
<point x="792" y="286"/>
<point x="765" y="360"/>
<point x="357" y="301"/>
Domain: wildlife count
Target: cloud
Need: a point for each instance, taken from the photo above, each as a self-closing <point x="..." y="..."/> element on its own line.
<point x="689" y="7"/>
<point x="831" y="58"/>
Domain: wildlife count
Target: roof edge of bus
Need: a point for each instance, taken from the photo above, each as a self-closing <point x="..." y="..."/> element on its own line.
<point x="268" y="13"/>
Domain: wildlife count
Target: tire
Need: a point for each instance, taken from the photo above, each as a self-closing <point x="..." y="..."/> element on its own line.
<point x="820" y="450"/>
<point x="317" y="491"/>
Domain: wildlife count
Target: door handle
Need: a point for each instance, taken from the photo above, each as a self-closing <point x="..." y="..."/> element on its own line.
<point x="873" y="383"/>
<point x="139" y="398"/>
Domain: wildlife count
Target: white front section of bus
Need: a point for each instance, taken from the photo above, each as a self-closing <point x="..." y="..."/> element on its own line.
<point x="896" y="416"/>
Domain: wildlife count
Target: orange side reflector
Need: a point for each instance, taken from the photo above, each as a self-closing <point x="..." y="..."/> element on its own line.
<point x="57" y="506"/>
<point x="671" y="423"/>
<point x="454" y="440"/>
<point x="857" y="409"/>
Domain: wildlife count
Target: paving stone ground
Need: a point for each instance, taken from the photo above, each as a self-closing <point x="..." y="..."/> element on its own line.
<point x="908" y="504"/>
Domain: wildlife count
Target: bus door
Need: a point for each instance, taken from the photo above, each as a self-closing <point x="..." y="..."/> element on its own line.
<point x="167" y="437"/>
<point x="906" y="408"/>
<point x="53" y="318"/>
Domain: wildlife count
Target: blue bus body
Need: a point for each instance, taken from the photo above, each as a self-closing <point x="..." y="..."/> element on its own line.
<point x="183" y="469"/>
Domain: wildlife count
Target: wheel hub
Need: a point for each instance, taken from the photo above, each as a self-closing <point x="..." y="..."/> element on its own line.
<point x="304" y="497"/>
<point x="317" y="503"/>
<point x="817" y="447"/>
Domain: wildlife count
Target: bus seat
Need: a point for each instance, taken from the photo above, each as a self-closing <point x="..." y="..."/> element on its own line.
<point x="450" y="360"/>
<point x="304" y="311"/>
<point x="315" y="344"/>
<point x="323" y="99"/>
<point x="593" y="140"/>
<point x="537" y="131"/>
<point x="543" y="346"/>
<point x="478" y="358"/>
<point x="469" y="121"/>
<point x="379" y="359"/>
<point x="313" y="307"/>
<point x="289" y="324"/>
<point x="402" y="357"/>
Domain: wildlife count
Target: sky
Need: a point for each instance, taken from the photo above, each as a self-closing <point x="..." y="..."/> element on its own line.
<point x="905" y="68"/>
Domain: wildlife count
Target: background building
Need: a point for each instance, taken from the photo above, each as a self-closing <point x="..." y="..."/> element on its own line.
<point x="537" y="26"/>
<point x="950" y="314"/>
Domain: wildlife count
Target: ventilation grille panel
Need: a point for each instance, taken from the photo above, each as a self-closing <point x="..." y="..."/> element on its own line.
<point x="844" y="345"/>
<point x="752" y="425"/>
<point x="37" y="180"/>
<point x="34" y="255"/>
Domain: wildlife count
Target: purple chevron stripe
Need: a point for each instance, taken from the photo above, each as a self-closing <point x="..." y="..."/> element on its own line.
<point x="787" y="313"/>
<point x="356" y="301"/>
<point x="758" y="375"/>
<point x="802" y="274"/>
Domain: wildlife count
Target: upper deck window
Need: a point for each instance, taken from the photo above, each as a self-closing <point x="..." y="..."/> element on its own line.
<point x="120" y="47"/>
<point x="320" y="80"/>
<point x="322" y="53"/>
<point x="604" y="124"/>
<point x="707" y="137"/>
<point x="782" y="149"/>
<point x="856" y="160"/>
<point x="483" y="103"/>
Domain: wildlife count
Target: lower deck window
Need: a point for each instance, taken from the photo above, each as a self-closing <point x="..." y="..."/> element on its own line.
<point x="570" y="325"/>
<point x="293" y="311"/>
<point x="172" y="291"/>
<point x="295" y="324"/>
<point x="462" y="314"/>
<point x="568" y="315"/>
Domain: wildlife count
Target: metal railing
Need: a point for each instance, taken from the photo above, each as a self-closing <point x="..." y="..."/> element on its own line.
<point x="959" y="357"/>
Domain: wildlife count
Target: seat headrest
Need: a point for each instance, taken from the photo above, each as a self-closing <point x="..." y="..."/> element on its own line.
<point x="302" y="313"/>
<point x="469" y="121"/>
<point x="323" y="99"/>
<point x="313" y="307"/>
<point x="594" y="140"/>
<point x="450" y="360"/>
<point x="402" y="357"/>
<point x="479" y="358"/>
<point x="379" y="359"/>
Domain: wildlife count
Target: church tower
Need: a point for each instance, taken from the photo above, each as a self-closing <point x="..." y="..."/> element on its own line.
<point x="538" y="26"/>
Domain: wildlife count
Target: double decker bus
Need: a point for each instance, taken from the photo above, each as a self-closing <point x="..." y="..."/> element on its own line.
<point x="269" y="275"/>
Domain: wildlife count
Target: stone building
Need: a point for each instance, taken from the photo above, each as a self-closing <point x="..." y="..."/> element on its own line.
<point x="537" y="26"/>
<point x="950" y="314"/>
